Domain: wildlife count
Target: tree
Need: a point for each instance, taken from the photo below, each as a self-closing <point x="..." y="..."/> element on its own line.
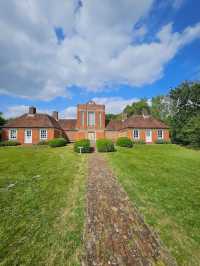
<point x="2" y="120"/>
<point x="161" y="108"/>
<point x="191" y="132"/>
<point x="137" y="108"/>
<point x="185" y="101"/>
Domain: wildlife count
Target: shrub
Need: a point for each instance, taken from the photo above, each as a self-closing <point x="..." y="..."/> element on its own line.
<point x="58" y="142"/>
<point x="84" y="143"/>
<point x="161" y="141"/>
<point x="124" y="142"/>
<point x="43" y="142"/>
<point x="9" y="143"/>
<point x="139" y="142"/>
<point x="105" y="145"/>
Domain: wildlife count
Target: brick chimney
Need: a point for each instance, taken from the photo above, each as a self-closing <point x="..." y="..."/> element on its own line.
<point x="55" y="115"/>
<point x="32" y="110"/>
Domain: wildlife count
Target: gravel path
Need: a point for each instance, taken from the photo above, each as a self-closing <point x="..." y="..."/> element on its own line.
<point x="115" y="232"/>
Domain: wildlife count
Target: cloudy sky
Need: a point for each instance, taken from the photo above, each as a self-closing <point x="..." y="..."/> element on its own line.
<point x="55" y="54"/>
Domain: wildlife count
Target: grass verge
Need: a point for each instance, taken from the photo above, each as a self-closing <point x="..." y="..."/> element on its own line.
<point x="163" y="181"/>
<point x="42" y="201"/>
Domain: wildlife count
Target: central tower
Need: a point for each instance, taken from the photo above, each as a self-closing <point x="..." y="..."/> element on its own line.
<point x="91" y="121"/>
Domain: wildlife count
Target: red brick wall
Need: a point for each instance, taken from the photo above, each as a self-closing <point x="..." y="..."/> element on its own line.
<point x="52" y="133"/>
<point x="113" y="135"/>
<point x="154" y="134"/>
<point x="97" y="108"/>
<point x="71" y="135"/>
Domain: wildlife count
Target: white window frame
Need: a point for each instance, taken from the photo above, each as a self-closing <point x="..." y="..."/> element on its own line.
<point x="10" y="134"/>
<point x="160" y="137"/>
<point x="42" y="134"/>
<point x="93" y="121"/>
<point x="138" y="137"/>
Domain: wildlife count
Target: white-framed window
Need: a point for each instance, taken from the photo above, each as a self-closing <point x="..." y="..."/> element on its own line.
<point x="136" y="134"/>
<point x="13" y="134"/>
<point x="91" y="118"/>
<point x="100" y="120"/>
<point x="43" y="134"/>
<point x="82" y="118"/>
<point x="160" y="134"/>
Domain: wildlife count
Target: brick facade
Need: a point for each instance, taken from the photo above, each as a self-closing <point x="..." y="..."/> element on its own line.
<point x="51" y="133"/>
<point x="90" y="124"/>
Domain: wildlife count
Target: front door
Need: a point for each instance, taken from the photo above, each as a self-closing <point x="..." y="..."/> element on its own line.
<point x="148" y="135"/>
<point x="92" y="137"/>
<point x="28" y="136"/>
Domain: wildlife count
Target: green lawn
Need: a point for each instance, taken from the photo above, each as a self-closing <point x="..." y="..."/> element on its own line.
<point x="164" y="182"/>
<point x="42" y="214"/>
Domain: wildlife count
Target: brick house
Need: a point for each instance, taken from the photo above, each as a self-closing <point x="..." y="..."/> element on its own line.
<point x="90" y="123"/>
<point x="32" y="127"/>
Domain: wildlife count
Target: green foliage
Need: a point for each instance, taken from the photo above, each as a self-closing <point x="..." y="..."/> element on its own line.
<point x="57" y="142"/>
<point x="161" y="141"/>
<point x="9" y="143"/>
<point x="191" y="132"/>
<point x="124" y="142"/>
<point x="163" y="182"/>
<point x="43" y="142"/>
<point x="2" y="120"/>
<point x="110" y="117"/>
<point x="84" y="143"/>
<point x="105" y="145"/>
<point x="185" y="105"/>
<point x="137" y="108"/>
<point x="139" y="142"/>
<point x="161" y="108"/>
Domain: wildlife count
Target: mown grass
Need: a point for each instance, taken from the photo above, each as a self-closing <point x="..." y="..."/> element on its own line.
<point x="42" y="193"/>
<point x="164" y="182"/>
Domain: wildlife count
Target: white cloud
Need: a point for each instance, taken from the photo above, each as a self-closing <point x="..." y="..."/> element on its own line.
<point x="100" y="48"/>
<point x="114" y="105"/>
<point x="18" y="110"/>
<point x="69" y="112"/>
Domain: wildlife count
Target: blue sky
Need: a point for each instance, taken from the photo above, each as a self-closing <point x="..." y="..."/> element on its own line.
<point x="56" y="55"/>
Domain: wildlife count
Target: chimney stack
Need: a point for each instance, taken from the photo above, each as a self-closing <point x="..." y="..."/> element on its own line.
<point x="55" y="115"/>
<point x="32" y="110"/>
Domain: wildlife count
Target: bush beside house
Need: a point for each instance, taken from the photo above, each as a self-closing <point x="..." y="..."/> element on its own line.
<point x="57" y="142"/>
<point x="105" y="145"/>
<point x="124" y="142"/>
<point x="9" y="143"/>
<point x="84" y="144"/>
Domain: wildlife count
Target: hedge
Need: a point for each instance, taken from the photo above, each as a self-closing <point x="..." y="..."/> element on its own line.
<point x="124" y="142"/>
<point x="105" y="145"/>
<point x="9" y="143"/>
<point x="84" y="143"/>
<point x="57" y="142"/>
<point x="161" y="141"/>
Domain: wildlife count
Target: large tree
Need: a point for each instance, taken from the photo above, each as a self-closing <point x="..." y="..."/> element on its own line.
<point x="137" y="108"/>
<point x="185" y="107"/>
<point x="161" y="108"/>
<point x="2" y="120"/>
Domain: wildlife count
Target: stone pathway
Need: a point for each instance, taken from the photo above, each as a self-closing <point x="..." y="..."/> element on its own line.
<point x="115" y="232"/>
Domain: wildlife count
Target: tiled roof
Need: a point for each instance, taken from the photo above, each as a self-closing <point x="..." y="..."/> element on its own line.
<point x="140" y="121"/>
<point x="114" y="125"/>
<point x="136" y="121"/>
<point x="35" y="120"/>
<point x="68" y="124"/>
